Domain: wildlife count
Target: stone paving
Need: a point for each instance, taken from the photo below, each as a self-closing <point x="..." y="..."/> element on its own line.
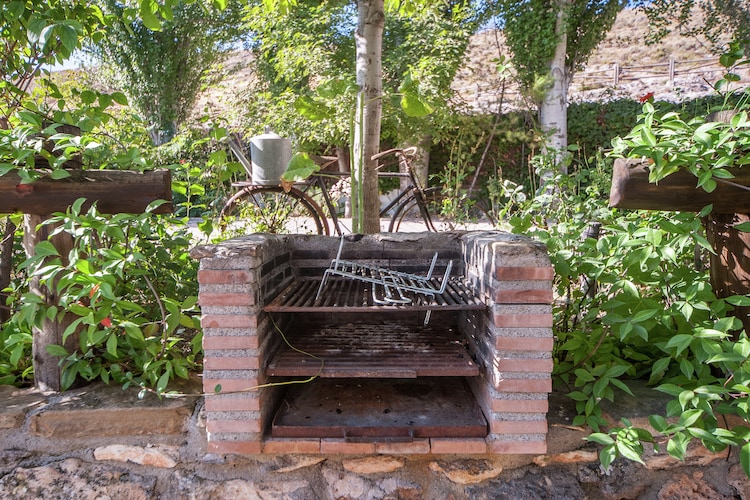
<point x="103" y="442"/>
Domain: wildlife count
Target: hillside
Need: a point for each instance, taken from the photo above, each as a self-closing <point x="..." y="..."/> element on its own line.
<point x="640" y="69"/>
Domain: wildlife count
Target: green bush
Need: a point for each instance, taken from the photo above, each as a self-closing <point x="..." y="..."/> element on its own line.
<point x="131" y="288"/>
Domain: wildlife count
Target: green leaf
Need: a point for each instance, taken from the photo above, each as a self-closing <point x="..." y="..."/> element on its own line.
<point x="120" y="98"/>
<point x="148" y="15"/>
<point x="301" y="166"/>
<point x="628" y="452"/>
<point x="56" y="350"/>
<point x="658" y="422"/>
<point x="745" y="458"/>
<point x="112" y="345"/>
<point x="600" y="438"/>
<point x="45" y="249"/>
<point x="414" y="106"/>
<point x="607" y="456"/>
<point x="312" y="109"/>
<point x="59" y="173"/>
<point x="680" y="342"/>
<point x="162" y="383"/>
<point x="744" y="227"/>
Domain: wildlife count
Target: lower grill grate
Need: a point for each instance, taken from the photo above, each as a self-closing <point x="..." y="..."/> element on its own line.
<point x="383" y="350"/>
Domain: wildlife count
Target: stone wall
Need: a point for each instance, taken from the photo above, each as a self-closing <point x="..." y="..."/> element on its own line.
<point x="103" y="442"/>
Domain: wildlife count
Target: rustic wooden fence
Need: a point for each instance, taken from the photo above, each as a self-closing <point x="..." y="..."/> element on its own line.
<point x="693" y="77"/>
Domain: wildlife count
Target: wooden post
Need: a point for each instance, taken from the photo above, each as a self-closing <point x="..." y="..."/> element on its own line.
<point x="47" y="369"/>
<point x="730" y="266"/>
<point x="615" y="74"/>
<point x="671" y="72"/>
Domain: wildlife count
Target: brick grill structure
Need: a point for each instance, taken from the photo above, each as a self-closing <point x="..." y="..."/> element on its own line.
<point x="509" y="338"/>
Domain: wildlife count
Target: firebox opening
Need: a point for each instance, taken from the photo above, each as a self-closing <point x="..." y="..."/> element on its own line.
<point x="399" y="409"/>
<point x="389" y="377"/>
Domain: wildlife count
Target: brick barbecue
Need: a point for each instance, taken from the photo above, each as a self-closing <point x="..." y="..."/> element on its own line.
<point x="465" y="371"/>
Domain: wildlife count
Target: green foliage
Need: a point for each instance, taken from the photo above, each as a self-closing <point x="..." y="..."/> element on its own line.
<point x="636" y="302"/>
<point x="529" y="29"/>
<point x="161" y="63"/>
<point x="718" y="18"/>
<point x="306" y="60"/>
<point x="129" y="287"/>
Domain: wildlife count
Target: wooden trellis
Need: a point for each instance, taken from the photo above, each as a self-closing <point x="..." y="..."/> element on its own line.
<point x="730" y="262"/>
<point x="114" y="191"/>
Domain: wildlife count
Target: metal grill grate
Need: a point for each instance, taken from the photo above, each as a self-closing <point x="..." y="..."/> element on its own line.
<point x="383" y="350"/>
<point x="357" y="296"/>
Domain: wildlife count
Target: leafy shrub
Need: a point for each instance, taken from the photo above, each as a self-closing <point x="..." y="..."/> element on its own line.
<point x="653" y="314"/>
<point x="130" y="286"/>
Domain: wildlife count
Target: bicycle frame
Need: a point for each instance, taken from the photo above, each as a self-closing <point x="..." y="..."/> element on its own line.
<point x="413" y="189"/>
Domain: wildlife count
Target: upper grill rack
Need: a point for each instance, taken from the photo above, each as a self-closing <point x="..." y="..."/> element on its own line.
<point x="389" y="286"/>
<point x="357" y="296"/>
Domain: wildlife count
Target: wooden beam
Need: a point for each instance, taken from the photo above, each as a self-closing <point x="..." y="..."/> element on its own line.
<point x="678" y="192"/>
<point x="115" y="191"/>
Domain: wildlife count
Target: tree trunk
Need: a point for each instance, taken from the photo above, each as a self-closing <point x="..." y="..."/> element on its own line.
<point x="47" y="370"/>
<point x="553" y="112"/>
<point x="730" y="264"/>
<point x="345" y="165"/>
<point x="369" y="43"/>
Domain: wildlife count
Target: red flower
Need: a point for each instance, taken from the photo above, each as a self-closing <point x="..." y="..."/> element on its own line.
<point x="106" y="322"/>
<point x="648" y="97"/>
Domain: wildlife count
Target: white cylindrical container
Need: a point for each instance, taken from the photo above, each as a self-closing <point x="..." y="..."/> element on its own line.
<point x="270" y="155"/>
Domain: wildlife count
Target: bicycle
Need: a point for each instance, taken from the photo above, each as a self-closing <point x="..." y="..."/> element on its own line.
<point x="281" y="209"/>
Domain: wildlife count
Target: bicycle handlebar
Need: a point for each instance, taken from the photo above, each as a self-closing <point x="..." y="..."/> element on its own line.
<point x="407" y="151"/>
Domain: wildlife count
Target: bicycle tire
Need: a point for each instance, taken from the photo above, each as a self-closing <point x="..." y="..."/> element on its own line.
<point x="417" y="215"/>
<point x="428" y="219"/>
<point x="271" y="209"/>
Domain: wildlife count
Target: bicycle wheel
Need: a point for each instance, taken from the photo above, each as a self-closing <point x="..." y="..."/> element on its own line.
<point x="270" y="209"/>
<point x="412" y="216"/>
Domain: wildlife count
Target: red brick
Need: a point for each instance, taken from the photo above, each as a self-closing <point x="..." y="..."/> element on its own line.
<point x="416" y="447"/>
<point x="522" y="296"/>
<point x="247" y="402"/>
<point x="246" y="425"/>
<point x="524" y="385"/>
<point x="231" y="363"/>
<point x="340" y="446"/>
<point x="517" y="447"/>
<point x="229" y="321"/>
<point x="520" y="405"/>
<point x="518" y="427"/>
<point x="458" y="446"/>
<point x="276" y="445"/>
<point x="524" y="365"/>
<point x="524" y="273"/>
<point x="236" y="447"/>
<point x="226" y="299"/>
<point x="224" y="277"/>
<point x="229" y="342"/>
<point x="543" y="344"/>
<point x="229" y="385"/>
<point x="521" y="320"/>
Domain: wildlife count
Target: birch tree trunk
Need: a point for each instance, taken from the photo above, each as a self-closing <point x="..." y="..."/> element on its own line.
<point x="553" y="115"/>
<point x="366" y="142"/>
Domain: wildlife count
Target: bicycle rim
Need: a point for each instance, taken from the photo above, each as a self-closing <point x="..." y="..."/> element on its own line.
<point x="270" y="209"/>
<point x="412" y="215"/>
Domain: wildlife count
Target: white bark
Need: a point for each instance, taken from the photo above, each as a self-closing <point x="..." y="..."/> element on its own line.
<point x="553" y="112"/>
<point x="366" y="142"/>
